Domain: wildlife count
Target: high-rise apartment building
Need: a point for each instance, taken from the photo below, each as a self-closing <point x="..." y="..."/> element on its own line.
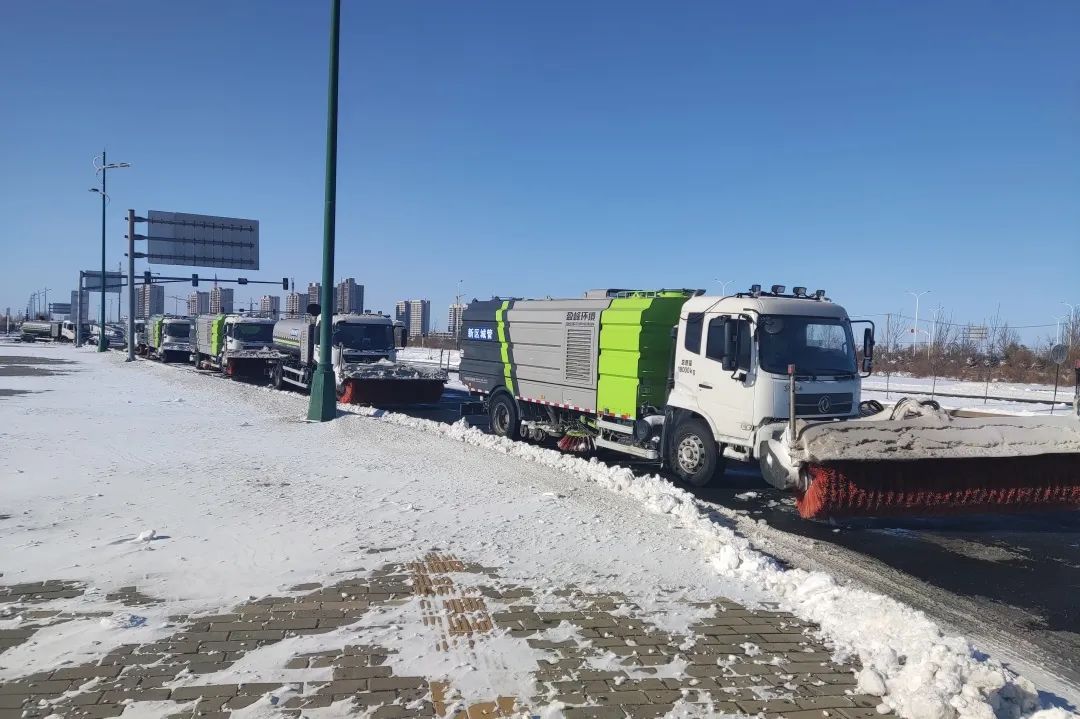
<point x="292" y="304"/>
<point x="150" y="300"/>
<point x="198" y="303"/>
<point x="221" y="300"/>
<point x="453" y="320"/>
<point x="348" y="296"/>
<point x="270" y="306"/>
<point x="314" y="293"/>
<point x="415" y="315"/>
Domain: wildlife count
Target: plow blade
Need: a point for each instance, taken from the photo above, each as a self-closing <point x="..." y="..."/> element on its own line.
<point x="919" y="460"/>
<point x="391" y="391"/>
<point x="878" y="488"/>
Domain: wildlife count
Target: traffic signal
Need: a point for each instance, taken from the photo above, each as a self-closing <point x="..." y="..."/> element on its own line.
<point x="285" y="283"/>
<point x="194" y="280"/>
<point x="147" y="278"/>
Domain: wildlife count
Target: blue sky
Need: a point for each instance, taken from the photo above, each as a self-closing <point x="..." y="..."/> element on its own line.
<point x="542" y="148"/>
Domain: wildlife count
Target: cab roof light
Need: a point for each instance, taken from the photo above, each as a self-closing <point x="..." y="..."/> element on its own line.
<point x="778" y="289"/>
<point x="819" y="295"/>
<point x="755" y="290"/>
<point x="799" y="291"/>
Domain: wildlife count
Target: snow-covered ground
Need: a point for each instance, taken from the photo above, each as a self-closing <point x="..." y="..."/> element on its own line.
<point x="205" y="492"/>
<point x="423" y="355"/>
<point x="999" y="392"/>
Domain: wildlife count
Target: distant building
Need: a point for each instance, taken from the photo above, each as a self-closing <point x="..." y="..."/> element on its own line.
<point x="453" y="320"/>
<point x="221" y="300"/>
<point x="270" y="306"/>
<point x="314" y="293"/>
<point x="198" y="303"/>
<point x="415" y="315"/>
<point x="293" y="307"/>
<point x="348" y="296"/>
<point x="150" y="300"/>
<point x="82" y="308"/>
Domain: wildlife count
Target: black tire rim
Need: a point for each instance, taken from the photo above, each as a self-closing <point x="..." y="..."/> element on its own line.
<point x="500" y="419"/>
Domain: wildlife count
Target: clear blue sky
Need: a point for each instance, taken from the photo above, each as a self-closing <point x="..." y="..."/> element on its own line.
<point x="536" y="148"/>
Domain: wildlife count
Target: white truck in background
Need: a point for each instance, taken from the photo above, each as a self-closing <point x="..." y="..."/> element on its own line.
<point x="364" y="356"/>
<point x="235" y="345"/>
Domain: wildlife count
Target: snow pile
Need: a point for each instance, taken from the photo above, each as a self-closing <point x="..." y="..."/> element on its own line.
<point x="919" y="672"/>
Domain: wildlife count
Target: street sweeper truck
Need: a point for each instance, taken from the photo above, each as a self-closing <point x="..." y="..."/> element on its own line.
<point x="691" y="382"/>
<point x="168" y="338"/>
<point x="366" y="369"/>
<point x="235" y="345"/>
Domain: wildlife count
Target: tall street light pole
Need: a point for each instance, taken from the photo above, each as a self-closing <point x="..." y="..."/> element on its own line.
<point x="915" y="332"/>
<point x="323" y="405"/>
<point x="103" y="169"/>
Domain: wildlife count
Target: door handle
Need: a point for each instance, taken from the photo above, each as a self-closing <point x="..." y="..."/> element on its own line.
<point x="704" y="386"/>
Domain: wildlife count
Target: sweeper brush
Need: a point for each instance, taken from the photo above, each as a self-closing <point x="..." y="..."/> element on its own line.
<point x="941" y="486"/>
<point x="919" y="460"/>
<point x="386" y="384"/>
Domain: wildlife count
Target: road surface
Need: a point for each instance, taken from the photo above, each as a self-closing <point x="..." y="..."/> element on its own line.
<point x="1007" y="582"/>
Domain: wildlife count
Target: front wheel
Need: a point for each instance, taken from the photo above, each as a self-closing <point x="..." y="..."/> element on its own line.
<point x="503" y="413"/>
<point x="695" y="458"/>
<point x="275" y="377"/>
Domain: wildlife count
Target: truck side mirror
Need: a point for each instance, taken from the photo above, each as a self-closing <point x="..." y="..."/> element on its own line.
<point x="868" y="350"/>
<point x="731" y="344"/>
<point x="313" y="309"/>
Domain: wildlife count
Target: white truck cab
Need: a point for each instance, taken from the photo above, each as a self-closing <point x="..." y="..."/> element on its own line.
<point x="248" y="333"/>
<point x="735" y="359"/>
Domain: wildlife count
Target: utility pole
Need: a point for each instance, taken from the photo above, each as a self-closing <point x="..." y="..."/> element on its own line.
<point x="131" y="287"/>
<point x="103" y="342"/>
<point x="323" y="406"/>
<point x="915" y="331"/>
<point x="79" y="312"/>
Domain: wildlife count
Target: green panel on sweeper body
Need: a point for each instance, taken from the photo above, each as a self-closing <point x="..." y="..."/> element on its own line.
<point x="217" y="335"/>
<point x="635" y="351"/>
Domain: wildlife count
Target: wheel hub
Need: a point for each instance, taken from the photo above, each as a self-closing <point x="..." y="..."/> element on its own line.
<point x="691" y="453"/>
<point x="501" y="419"/>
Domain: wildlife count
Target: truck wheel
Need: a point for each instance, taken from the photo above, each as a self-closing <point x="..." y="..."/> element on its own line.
<point x="695" y="457"/>
<point x="503" y="413"/>
<point x="275" y="377"/>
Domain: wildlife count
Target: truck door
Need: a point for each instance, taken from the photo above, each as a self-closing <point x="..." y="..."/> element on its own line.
<point x="726" y="394"/>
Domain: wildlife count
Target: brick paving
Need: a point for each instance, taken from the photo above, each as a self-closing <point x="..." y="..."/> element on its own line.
<point x="616" y="663"/>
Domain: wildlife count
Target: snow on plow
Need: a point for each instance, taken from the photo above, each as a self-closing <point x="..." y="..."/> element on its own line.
<point x="919" y="460"/>
<point x="388" y="383"/>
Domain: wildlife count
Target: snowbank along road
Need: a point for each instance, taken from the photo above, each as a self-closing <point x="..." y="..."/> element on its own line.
<point x="184" y="543"/>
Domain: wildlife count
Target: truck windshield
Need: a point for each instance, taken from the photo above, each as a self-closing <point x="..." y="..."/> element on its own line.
<point x="253" y="332"/>
<point x="815" y="345"/>
<point x="178" y="329"/>
<point x="363" y="337"/>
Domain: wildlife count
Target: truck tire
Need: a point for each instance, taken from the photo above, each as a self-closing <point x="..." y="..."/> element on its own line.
<point x="275" y="377"/>
<point x="503" y="413"/>
<point x="695" y="458"/>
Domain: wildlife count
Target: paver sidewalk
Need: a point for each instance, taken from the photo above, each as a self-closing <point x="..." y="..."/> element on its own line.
<point x="598" y="655"/>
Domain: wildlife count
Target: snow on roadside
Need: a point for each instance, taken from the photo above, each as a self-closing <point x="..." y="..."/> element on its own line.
<point x="262" y="507"/>
<point x="919" y="671"/>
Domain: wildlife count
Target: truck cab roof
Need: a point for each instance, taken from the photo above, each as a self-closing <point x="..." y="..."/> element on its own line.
<point x="245" y="319"/>
<point x="766" y="305"/>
